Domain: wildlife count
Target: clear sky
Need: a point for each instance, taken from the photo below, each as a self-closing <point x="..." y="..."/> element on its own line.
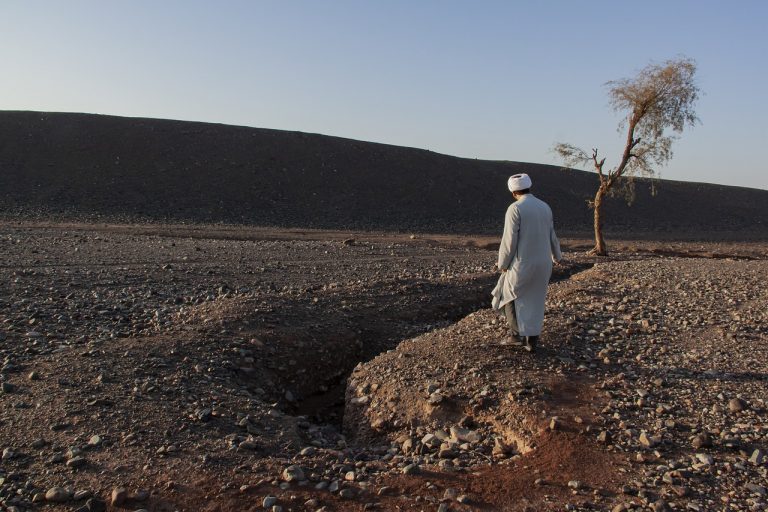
<point x="500" y="80"/>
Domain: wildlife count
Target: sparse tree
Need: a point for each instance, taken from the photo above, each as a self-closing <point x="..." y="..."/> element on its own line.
<point x="659" y="103"/>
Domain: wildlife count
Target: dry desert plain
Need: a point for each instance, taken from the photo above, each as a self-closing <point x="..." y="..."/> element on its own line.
<point x="214" y="368"/>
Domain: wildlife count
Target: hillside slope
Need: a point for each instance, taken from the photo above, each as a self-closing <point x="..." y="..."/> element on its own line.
<point x="80" y="166"/>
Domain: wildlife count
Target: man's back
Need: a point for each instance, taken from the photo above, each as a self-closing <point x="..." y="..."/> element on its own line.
<point x="534" y="237"/>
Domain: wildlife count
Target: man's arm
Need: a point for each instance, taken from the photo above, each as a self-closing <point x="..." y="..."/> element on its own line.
<point x="508" y="245"/>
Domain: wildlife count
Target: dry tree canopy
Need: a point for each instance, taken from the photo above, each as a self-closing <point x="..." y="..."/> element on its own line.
<point x="659" y="103"/>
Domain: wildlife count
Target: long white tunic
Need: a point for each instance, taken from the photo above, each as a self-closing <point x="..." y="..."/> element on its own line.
<point x="528" y="247"/>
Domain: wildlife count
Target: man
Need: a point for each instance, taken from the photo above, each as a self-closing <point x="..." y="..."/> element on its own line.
<point x="528" y="248"/>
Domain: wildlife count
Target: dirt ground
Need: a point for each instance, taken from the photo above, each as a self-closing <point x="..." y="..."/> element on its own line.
<point x="213" y="367"/>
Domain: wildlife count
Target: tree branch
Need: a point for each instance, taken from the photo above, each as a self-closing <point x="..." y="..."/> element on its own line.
<point x="598" y="165"/>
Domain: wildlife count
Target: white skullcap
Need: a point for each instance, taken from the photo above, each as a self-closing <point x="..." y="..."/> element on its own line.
<point x="519" y="182"/>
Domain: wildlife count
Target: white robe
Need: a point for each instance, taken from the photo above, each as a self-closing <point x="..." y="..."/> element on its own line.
<point x="528" y="248"/>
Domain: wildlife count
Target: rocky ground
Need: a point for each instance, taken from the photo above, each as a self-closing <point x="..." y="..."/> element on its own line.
<point x="209" y="368"/>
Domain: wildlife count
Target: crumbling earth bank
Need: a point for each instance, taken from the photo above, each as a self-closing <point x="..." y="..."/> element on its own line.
<point x="656" y="369"/>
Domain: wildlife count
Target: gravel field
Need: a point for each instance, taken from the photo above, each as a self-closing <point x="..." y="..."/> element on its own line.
<point x="167" y="368"/>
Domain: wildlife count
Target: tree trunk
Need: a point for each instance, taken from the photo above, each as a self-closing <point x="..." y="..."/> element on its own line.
<point x="599" y="249"/>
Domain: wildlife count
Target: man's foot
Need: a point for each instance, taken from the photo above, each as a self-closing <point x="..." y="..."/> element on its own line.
<point x="530" y="343"/>
<point x="514" y="339"/>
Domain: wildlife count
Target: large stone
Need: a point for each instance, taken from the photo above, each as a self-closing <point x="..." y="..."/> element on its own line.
<point x="293" y="474"/>
<point x="119" y="496"/>
<point x="77" y="462"/>
<point x="701" y="441"/>
<point x="411" y="469"/>
<point x="737" y="405"/>
<point x="465" y="435"/>
<point x="430" y="440"/>
<point x="57" y="495"/>
<point x="758" y="456"/>
<point x="96" y="505"/>
<point x="648" y="441"/>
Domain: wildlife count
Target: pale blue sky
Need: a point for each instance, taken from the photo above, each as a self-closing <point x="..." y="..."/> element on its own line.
<point x="481" y="79"/>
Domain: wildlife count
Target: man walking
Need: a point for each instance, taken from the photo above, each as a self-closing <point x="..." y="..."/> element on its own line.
<point x="528" y="248"/>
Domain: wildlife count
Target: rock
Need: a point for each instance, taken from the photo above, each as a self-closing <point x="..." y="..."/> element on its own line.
<point x="446" y="452"/>
<point x="57" y="495"/>
<point x="604" y="437"/>
<point x="575" y="484"/>
<point x="554" y="424"/>
<point x="660" y="506"/>
<point x="249" y="444"/>
<point x="435" y="398"/>
<point x="705" y="458"/>
<point x="450" y="494"/>
<point x="95" y="441"/>
<point x="293" y="474"/>
<point x="411" y="469"/>
<point x="757" y="457"/>
<point x="756" y="489"/>
<point x="268" y="501"/>
<point x="701" y="441"/>
<point x="430" y="440"/>
<point x="7" y="387"/>
<point x="347" y="493"/>
<point x="38" y="443"/>
<point x="119" y="495"/>
<point x="77" y="462"/>
<point x="648" y="441"/>
<point x="33" y="376"/>
<point x="465" y="435"/>
<point x="96" y="505"/>
<point x="8" y="453"/>
<point x="737" y="405"/>
<point x="204" y="414"/>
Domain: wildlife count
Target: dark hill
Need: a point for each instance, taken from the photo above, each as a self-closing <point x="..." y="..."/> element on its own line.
<point x="78" y="166"/>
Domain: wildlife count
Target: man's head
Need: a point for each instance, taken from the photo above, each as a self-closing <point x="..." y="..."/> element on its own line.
<point x="519" y="185"/>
